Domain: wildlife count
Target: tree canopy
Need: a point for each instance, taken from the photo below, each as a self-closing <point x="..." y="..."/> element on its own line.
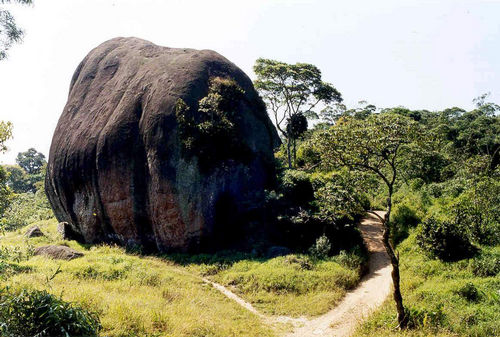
<point x="5" y="134"/>
<point x="10" y="33"/>
<point x="292" y="90"/>
<point x="31" y="161"/>
<point x="373" y="145"/>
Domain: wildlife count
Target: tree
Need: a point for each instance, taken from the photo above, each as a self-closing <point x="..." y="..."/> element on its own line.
<point x="295" y="127"/>
<point x="21" y="182"/>
<point x="9" y="32"/>
<point x="333" y="112"/>
<point x="290" y="89"/>
<point x="5" y="134"/>
<point x="375" y="146"/>
<point x="31" y="161"/>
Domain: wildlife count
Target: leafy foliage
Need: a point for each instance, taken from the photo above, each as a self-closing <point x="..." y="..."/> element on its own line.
<point x="445" y="240"/>
<point x="214" y="127"/>
<point x="290" y="92"/>
<point x="31" y="161"/>
<point x="478" y="210"/>
<point x="9" y="32"/>
<point x="296" y="125"/>
<point x="469" y="292"/>
<point x="485" y="265"/>
<point x="296" y="187"/>
<point x="5" y="193"/>
<point x="38" y="313"/>
<point x="321" y="248"/>
<point x="373" y="145"/>
<point x="26" y="208"/>
<point x="5" y="134"/>
<point x="21" y="182"/>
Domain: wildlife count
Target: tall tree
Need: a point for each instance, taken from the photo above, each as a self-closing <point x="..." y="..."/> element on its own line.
<point x="10" y="33"/>
<point x="31" y="161"/>
<point x="375" y="146"/>
<point x="290" y="89"/>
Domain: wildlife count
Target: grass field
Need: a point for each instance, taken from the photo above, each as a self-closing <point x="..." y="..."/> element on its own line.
<point x="445" y="298"/>
<point x="293" y="285"/>
<point x="165" y="296"/>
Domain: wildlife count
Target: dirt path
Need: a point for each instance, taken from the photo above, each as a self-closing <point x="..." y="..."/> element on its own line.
<point x="360" y="302"/>
<point x="356" y="305"/>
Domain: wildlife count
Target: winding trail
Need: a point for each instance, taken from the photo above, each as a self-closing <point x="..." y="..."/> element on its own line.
<point x="357" y="304"/>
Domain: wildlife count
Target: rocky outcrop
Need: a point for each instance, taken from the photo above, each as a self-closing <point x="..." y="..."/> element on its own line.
<point x="150" y="151"/>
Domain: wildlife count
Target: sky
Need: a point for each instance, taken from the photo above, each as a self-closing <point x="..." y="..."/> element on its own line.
<point x="416" y="53"/>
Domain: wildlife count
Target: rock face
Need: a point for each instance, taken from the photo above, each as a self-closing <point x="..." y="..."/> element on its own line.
<point x="132" y="162"/>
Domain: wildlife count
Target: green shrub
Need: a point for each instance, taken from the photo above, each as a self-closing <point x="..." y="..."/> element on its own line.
<point x="296" y="187"/>
<point x="26" y="208"/>
<point x="444" y="239"/>
<point x="321" y="249"/>
<point x="469" y="292"/>
<point x="478" y="210"/>
<point x="425" y="317"/>
<point x="16" y="253"/>
<point x="38" y="313"/>
<point x="350" y="260"/>
<point x="403" y="218"/>
<point x="303" y="262"/>
<point x="485" y="265"/>
<point x="214" y="125"/>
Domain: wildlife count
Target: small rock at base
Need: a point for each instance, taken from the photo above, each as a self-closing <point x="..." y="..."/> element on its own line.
<point x="58" y="252"/>
<point x="34" y="232"/>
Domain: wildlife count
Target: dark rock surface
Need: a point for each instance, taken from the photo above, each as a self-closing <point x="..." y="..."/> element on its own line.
<point x="67" y="232"/>
<point x="276" y="251"/>
<point x="116" y="172"/>
<point x="34" y="232"/>
<point x="58" y="252"/>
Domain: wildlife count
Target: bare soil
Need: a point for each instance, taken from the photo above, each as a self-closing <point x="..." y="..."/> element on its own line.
<point x="356" y="306"/>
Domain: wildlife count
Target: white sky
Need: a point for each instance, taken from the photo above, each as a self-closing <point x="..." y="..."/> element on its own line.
<point x="419" y="54"/>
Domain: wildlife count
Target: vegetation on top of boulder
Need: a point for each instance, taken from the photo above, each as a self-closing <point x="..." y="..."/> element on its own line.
<point x="211" y="134"/>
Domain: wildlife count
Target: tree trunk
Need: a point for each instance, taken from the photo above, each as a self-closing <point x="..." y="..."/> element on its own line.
<point x="398" y="298"/>
<point x="294" y="153"/>
<point x="288" y="152"/>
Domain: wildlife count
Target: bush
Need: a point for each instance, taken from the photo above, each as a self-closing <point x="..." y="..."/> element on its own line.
<point x="26" y="208"/>
<point x="402" y="218"/>
<point x="296" y="187"/>
<point x="485" y="265"/>
<point x="445" y="240"/>
<point x="421" y="318"/>
<point x="350" y="260"/>
<point x="469" y="292"/>
<point x="214" y="126"/>
<point x="321" y="249"/>
<point x="478" y="209"/>
<point x="38" y="313"/>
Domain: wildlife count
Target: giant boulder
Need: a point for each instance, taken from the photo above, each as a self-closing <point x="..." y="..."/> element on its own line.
<point x="132" y="162"/>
